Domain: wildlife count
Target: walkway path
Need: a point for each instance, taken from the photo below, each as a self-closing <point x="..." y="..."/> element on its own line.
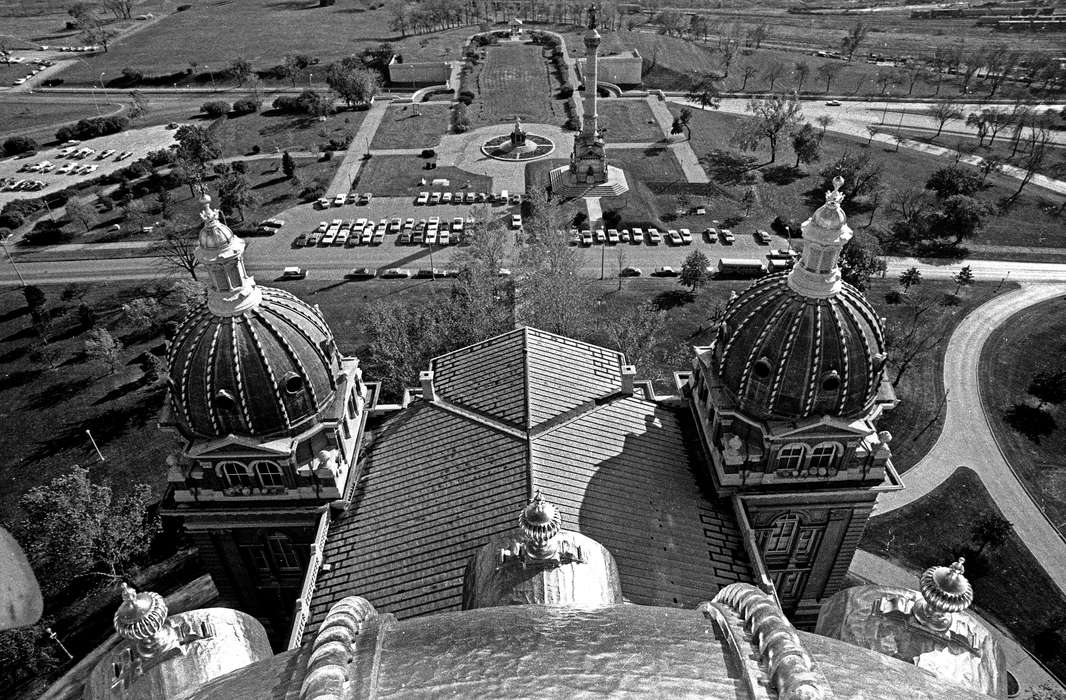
<point x="1030" y="674"/>
<point x="967" y="438"/>
<point x="686" y="157"/>
<point x="359" y="147"/>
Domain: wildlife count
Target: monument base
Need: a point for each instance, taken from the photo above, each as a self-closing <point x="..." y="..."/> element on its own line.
<point x="565" y="186"/>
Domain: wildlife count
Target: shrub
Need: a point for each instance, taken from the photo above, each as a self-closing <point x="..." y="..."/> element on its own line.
<point x="566" y="91"/>
<point x="893" y="297"/>
<point x="312" y="191"/>
<point x="428" y="153"/>
<point x="285" y="103"/>
<point x="256" y="148"/>
<point x="182" y="8"/>
<point x="215" y="108"/>
<point x="326" y="156"/>
<point x="47" y="232"/>
<point x="19" y="144"/>
<point x="92" y="128"/>
<point x="132" y="75"/>
<point x="245" y="106"/>
<point x="460" y="120"/>
<point x="466" y="96"/>
<point x="11" y="220"/>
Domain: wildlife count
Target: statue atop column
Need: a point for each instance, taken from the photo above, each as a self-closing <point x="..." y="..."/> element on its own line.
<point x="593" y="23"/>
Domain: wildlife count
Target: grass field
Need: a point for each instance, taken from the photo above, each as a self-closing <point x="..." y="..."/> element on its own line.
<point x="402" y="176"/>
<point x="513" y="81"/>
<point x="269" y="130"/>
<point x="628" y="121"/>
<point x="42" y="119"/>
<point x="412" y="126"/>
<point x="1029" y="342"/>
<point x="1009" y="584"/>
<point x="782" y="190"/>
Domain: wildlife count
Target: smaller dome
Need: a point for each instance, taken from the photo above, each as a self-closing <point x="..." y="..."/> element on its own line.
<point x="539" y="523"/>
<point x="945" y="589"/>
<point x="214" y="234"/>
<point x="140" y="615"/>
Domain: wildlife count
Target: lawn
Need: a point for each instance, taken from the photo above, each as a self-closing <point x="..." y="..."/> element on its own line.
<point x="412" y="126"/>
<point x="272" y="131"/>
<point x="628" y="121"/>
<point x="402" y="176"/>
<point x="782" y="190"/>
<point x="209" y="35"/>
<point x="1036" y="451"/>
<point x="40" y="119"/>
<point x="515" y="80"/>
<point x="1008" y="582"/>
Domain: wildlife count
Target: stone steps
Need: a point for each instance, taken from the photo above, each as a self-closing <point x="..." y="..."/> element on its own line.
<point x="563" y="187"/>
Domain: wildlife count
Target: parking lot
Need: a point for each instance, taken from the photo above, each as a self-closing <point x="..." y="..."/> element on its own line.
<point x="278" y="249"/>
<point x="138" y="142"/>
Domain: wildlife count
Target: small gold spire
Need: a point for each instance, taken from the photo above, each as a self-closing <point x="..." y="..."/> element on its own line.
<point x="945" y="591"/>
<point x="142" y="619"/>
<point x="539" y="523"/>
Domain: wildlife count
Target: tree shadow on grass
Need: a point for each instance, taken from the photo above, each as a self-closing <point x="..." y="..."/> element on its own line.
<point x="14" y="380"/>
<point x="120" y="391"/>
<point x="1031" y="421"/>
<point x="782" y="175"/>
<point x="269" y="183"/>
<point x="664" y="301"/>
<point x="58" y="393"/>
<point x="105" y="427"/>
<point x="21" y="334"/>
<point x="728" y="168"/>
<point x="14" y="354"/>
<point x="14" y="313"/>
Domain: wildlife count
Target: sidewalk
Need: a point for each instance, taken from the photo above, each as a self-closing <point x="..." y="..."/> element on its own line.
<point x="686" y="157"/>
<point x="357" y="149"/>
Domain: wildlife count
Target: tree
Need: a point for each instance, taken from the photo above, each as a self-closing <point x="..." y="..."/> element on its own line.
<point x="550" y="291"/>
<point x="828" y="71"/>
<point x="351" y="81"/>
<point x="1038" y="143"/>
<point x="90" y="25"/>
<point x="164" y="199"/>
<point x="1049" y="386"/>
<point x="694" y="270"/>
<point x="914" y="334"/>
<point x="802" y="69"/>
<point x="399" y="16"/>
<point x="241" y="70"/>
<point x="186" y="295"/>
<point x="35" y="298"/>
<point x="942" y="112"/>
<point x="80" y="213"/>
<point x="196" y="147"/>
<point x="17" y="145"/>
<point x="860" y="259"/>
<point x="1046" y="692"/>
<point x="234" y="192"/>
<point x="177" y="251"/>
<point x="288" y="165"/>
<point x="756" y="35"/>
<point x="681" y="123"/>
<point x="823" y="120"/>
<point x="850" y="43"/>
<point x="750" y="199"/>
<point x="862" y="175"/>
<point x="143" y="313"/>
<point x="960" y="217"/>
<point x="122" y="9"/>
<point x="749" y="71"/>
<point x="773" y="70"/>
<point x="706" y="94"/>
<point x="75" y="528"/>
<point x="909" y="278"/>
<point x="807" y="144"/>
<point x="990" y="530"/>
<point x="635" y="331"/>
<point x="952" y="180"/>
<point x="294" y="64"/>
<point x="962" y="278"/>
<point x="774" y="115"/>
<point x="102" y="347"/>
<point x="138" y="104"/>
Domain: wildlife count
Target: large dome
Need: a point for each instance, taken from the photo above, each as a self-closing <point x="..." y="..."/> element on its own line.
<point x="267" y="370"/>
<point x="787" y="355"/>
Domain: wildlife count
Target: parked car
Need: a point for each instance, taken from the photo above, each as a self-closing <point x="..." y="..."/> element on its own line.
<point x="630" y="272"/>
<point x="666" y="271"/>
<point x="710" y="234"/>
<point x="446" y="198"/>
<point x="299" y="241"/>
<point x="435" y="198"/>
<point x="422" y="198"/>
<point x="686" y="236"/>
<point x="573" y="237"/>
<point x="322" y="203"/>
<point x="124" y="155"/>
<point x="293" y="273"/>
<point x="457" y="224"/>
<point x="673" y="237"/>
<point x="586" y="237"/>
<point x="516" y="221"/>
<point x="396" y="273"/>
<point x="727" y="236"/>
<point x="654" y="237"/>
<point x="365" y="198"/>
<point x="636" y="235"/>
<point x="763" y="237"/>
<point x="612" y="236"/>
<point x="339" y="200"/>
<point x="832" y="103"/>
<point x="599" y="236"/>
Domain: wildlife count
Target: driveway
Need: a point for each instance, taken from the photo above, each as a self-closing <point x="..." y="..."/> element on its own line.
<point x="967" y="438"/>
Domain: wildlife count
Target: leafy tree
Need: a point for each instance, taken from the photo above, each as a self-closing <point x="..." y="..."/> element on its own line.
<point x="694" y="270"/>
<point x="706" y="94"/>
<point x="860" y="259"/>
<point x="854" y="38"/>
<point x="102" y="347"/>
<point x="294" y="64"/>
<point x="234" y="192"/>
<point x="80" y="213"/>
<point x="635" y="331"/>
<point x="990" y="530"/>
<point x="823" y="120"/>
<point x="35" y="298"/>
<point x="73" y="292"/>
<point x="196" y="147"/>
<point x="1049" y="386"/>
<point x="681" y="123"/>
<point x="186" y="295"/>
<point x="1046" y="692"/>
<point x="16" y="145"/>
<point x="75" y="528"/>
<point x="962" y="278"/>
<point x="774" y="115"/>
<point x="909" y="278"/>
<point x="953" y="180"/>
<point x="960" y="217"/>
<point x="807" y="144"/>
<point x="288" y="165"/>
<point x="862" y="175"/>
<point x="25" y="652"/>
<point x="143" y="313"/>
<point x="164" y="199"/>
<point x="553" y="295"/>
<point x="943" y="111"/>
<point x="241" y="70"/>
<point x="216" y="108"/>
<point x="351" y="81"/>
<point x="828" y="71"/>
<point x="802" y="69"/>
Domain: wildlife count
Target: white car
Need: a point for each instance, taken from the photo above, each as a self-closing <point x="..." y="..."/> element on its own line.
<point x="339" y="200"/>
<point x="516" y="221"/>
<point x="457" y="224"/>
<point x="423" y="198"/>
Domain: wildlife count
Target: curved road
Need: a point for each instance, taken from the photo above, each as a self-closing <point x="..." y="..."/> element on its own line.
<point x="967" y="440"/>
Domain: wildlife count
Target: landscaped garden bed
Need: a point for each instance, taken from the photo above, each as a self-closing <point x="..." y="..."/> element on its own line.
<point x="515" y="81"/>
<point x="411" y="126"/>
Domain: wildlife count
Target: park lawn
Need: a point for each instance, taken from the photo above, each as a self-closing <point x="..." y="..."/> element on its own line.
<point x="515" y="81"/>
<point x="1010" y="584"/>
<point x="628" y="121"/>
<point x="272" y="131"/>
<point x="208" y="36"/>
<point x="783" y="190"/>
<point x="1005" y="372"/>
<point x="40" y="120"/>
<point x="395" y="176"/>
<point x="916" y="422"/>
<point x="412" y="126"/>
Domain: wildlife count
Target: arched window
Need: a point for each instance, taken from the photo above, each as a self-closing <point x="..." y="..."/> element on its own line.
<point x="823" y="456"/>
<point x="282" y="552"/>
<point x="782" y="534"/>
<point x="234" y="474"/>
<point x="269" y="473"/>
<point x="791" y="457"/>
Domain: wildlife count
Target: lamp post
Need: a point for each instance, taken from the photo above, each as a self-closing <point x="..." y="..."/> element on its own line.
<point x="103" y="88"/>
<point x="95" y="446"/>
<point x="92" y="89"/>
<point x="211" y="75"/>
<point x="309" y="76"/>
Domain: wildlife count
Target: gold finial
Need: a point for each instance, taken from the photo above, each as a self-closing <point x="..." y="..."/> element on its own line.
<point x="142" y="619"/>
<point x="539" y="523"/>
<point x="207" y="214"/>
<point x="945" y="591"/>
<point x="834" y="197"/>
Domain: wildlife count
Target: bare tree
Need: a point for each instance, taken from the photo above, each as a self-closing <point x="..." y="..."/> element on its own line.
<point x="828" y="71"/>
<point x="942" y="112"/>
<point x="748" y="72"/>
<point x="1038" y="141"/>
<point x="177" y="251"/>
<point x="802" y="69"/>
<point x="823" y="121"/>
<point x="850" y="43"/>
<point x="773" y="70"/>
<point x="915" y="334"/>
<point x="774" y="115"/>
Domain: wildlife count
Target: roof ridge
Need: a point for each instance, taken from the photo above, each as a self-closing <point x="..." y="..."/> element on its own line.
<point x="480" y="343"/>
<point x="580" y="411"/>
<point x="478" y="417"/>
<point x="572" y="341"/>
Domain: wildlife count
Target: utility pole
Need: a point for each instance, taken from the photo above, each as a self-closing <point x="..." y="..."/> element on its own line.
<point x="603" y="257"/>
<point x="3" y="244"/>
<point x="95" y="446"/>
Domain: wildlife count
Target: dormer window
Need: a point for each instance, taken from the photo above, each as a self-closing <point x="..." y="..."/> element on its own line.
<point x="269" y="474"/>
<point x="234" y="474"/>
<point x="831" y="381"/>
<point x="823" y="458"/>
<point x="790" y="458"/>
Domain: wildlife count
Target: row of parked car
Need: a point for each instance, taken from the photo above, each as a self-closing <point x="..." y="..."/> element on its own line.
<point x="11" y="184"/>
<point x="362" y="231"/>
<point x="362" y="199"/>
<point x="435" y="198"/>
<point x="391" y="273"/>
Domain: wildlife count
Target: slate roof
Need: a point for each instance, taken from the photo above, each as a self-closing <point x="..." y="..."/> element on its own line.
<point x="528" y="410"/>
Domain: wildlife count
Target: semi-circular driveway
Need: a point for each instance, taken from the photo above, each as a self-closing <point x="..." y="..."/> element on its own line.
<point x="967" y="439"/>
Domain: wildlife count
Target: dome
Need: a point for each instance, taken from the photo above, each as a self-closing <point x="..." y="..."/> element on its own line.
<point x="214" y="234"/>
<point x="786" y="355"/>
<point x="267" y="370"/>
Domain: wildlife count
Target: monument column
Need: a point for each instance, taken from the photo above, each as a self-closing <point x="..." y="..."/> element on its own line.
<point x="592" y="46"/>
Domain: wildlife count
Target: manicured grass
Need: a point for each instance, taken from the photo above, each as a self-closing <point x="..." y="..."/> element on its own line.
<point x="628" y="121"/>
<point x="655" y="164"/>
<point x="412" y="126"/>
<point x="785" y="191"/>
<point x="1029" y="342"/>
<point x="41" y="118"/>
<point x="269" y="130"/>
<point x="402" y="176"/>
<point x="515" y="80"/>
<point x="1053" y="166"/>
<point x="1009" y="584"/>
<point x="916" y="422"/>
<point x="262" y="31"/>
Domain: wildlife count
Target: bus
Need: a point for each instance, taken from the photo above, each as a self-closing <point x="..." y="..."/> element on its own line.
<point x="741" y="268"/>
